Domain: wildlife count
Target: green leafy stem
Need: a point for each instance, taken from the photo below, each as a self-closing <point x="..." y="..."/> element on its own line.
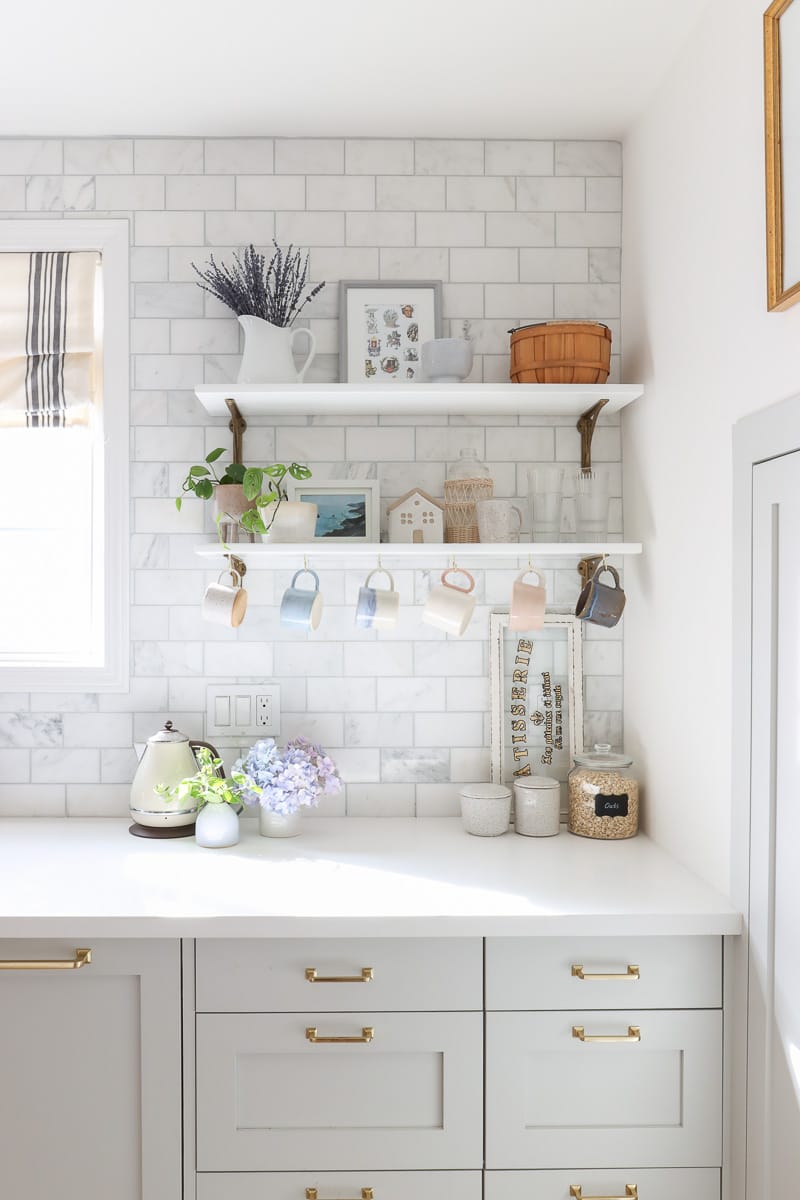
<point x="208" y="785"/>
<point x="262" y="485"/>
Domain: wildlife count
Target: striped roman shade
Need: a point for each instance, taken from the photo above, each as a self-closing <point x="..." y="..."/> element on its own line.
<point x="48" y="370"/>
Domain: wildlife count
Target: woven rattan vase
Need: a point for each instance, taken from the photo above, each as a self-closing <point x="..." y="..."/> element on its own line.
<point x="460" y="516"/>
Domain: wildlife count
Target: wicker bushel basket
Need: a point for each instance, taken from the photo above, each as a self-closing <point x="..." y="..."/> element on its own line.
<point x="561" y="352"/>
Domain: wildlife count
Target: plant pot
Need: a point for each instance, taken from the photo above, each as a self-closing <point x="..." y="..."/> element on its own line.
<point x="294" y="521"/>
<point x="217" y="825"/>
<point x="268" y="354"/>
<point x="282" y="825"/>
<point x="446" y="360"/>
<point x="230" y="503"/>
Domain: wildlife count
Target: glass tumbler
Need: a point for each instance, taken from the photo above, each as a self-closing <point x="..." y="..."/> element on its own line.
<point x="591" y="506"/>
<point x="545" y="491"/>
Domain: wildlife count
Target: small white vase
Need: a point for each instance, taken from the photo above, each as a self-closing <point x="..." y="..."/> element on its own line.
<point x="268" y="355"/>
<point x="446" y="360"/>
<point x="272" y="824"/>
<point x="217" y="825"/>
<point x="294" y="521"/>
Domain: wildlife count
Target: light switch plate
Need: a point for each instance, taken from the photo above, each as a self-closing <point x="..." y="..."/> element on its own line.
<point x="243" y="712"/>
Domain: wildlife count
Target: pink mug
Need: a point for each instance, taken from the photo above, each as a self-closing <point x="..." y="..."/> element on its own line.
<point x="527" y="602"/>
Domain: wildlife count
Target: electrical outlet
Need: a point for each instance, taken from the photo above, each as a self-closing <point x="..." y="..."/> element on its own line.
<point x="235" y="712"/>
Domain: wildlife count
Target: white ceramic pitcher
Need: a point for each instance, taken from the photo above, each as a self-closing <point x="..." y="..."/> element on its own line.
<point x="267" y="354"/>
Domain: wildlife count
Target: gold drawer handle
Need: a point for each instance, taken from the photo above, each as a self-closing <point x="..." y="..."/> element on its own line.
<point x="631" y="1193"/>
<point x="579" y="973"/>
<point x="366" y="1194"/>
<point x="634" y="1034"/>
<point x="366" y="976"/>
<point x="82" y="958"/>
<point x="367" y="1034"/>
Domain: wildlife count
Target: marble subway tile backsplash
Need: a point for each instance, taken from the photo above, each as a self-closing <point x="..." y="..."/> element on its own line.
<point x="517" y="231"/>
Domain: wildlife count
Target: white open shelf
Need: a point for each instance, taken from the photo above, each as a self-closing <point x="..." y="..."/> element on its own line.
<point x="262" y="554"/>
<point x="414" y="399"/>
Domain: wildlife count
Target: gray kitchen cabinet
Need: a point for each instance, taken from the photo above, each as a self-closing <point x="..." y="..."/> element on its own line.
<point x="90" y="1070"/>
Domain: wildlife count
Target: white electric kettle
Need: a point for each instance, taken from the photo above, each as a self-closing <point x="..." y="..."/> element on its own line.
<point x="168" y="757"/>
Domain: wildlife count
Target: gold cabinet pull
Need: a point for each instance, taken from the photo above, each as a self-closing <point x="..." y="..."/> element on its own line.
<point x="367" y="1034"/>
<point x="366" y="1194"/>
<point x="634" y="1034"/>
<point x="82" y="958"/>
<point x="579" y="973"/>
<point x="366" y="976"/>
<point x="631" y="1193"/>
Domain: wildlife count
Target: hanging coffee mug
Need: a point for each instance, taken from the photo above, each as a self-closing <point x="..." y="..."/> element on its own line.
<point x="450" y="607"/>
<point x="225" y="604"/>
<point x="527" y="603"/>
<point x="377" y="608"/>
<point x="599" y="603"/>
<point x="301" y="608"/>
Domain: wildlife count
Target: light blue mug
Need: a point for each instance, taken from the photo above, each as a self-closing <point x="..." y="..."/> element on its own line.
<point x="301" y="608"/>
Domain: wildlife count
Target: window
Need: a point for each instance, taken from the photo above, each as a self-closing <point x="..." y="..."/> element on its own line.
<point x="64" y="455"/>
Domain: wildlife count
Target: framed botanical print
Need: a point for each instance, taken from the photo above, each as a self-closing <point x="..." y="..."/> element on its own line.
<point x="382" y="326"/>
<point x="346" y="508"/>
<point x="537" y="698"/>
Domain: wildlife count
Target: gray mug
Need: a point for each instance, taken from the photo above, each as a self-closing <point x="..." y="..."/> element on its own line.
<point x="599" y="603"/>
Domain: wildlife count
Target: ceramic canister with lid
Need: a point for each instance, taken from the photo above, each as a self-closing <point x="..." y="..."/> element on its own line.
<point x="485" y="808"/>
<point x="603" y="795"/>
<point x="537" y="806"/>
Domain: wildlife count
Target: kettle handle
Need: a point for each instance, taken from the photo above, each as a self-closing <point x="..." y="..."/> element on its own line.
<point x="207" y="745"/>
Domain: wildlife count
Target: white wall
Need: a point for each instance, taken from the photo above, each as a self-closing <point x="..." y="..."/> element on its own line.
<point x="517" y="231"/>
<point x="698" y="334"/>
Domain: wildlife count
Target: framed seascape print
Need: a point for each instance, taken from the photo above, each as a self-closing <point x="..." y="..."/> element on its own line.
<point x="537" y="699"/>
<point x="382" y="326"/>
<point x="782" y="136"/>
<point x="346" y="508"/>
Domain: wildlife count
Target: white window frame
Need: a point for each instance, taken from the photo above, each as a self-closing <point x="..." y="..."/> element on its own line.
<point x="110" y="238"/>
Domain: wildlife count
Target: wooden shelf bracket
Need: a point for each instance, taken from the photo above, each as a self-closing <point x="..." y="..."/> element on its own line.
<point x="237" y="426"/>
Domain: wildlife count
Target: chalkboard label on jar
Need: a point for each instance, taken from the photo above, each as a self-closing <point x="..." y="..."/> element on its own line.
<point x="610" y="806"/>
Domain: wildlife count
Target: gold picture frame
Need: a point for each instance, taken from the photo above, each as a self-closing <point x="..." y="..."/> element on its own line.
<point x="779" y="59"/>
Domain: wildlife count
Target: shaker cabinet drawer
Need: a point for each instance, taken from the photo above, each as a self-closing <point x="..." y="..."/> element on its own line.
<point x="600" y="1088"/>
<point x="339" y="975"/>
<point x="669" y="1184"/>
<point x="597" y="972"/>
<point x="385" y="1185"/>
<point x="329" y="1092"/>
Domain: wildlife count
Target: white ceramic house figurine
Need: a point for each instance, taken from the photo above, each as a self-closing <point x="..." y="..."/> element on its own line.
<point x="416" y="517"/>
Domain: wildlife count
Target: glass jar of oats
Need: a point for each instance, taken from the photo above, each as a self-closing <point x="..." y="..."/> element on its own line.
<point x="603" y="795"/>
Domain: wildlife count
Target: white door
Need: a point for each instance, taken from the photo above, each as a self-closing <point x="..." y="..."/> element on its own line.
<point x="773" y="1141"/>
<point x="90" y="1075"/>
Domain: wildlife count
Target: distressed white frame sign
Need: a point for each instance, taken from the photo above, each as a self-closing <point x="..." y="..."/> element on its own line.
<point x="573" y="636"/>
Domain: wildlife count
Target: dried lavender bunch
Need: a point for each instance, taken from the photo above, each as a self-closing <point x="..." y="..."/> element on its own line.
<point x="253" y="287"/>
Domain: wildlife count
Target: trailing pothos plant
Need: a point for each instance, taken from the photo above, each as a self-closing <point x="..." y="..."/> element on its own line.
<point x="263" y="485"/>
<point x="207" y="786"/>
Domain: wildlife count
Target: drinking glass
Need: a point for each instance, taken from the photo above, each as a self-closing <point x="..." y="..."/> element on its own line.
<point x="591" y="505"/>
<point x="545" y="490"/>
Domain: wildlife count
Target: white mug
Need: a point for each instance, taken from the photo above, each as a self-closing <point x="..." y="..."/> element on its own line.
<point x="224" y="604"/>
<point x="450" y="607"/>
<point x="377" y="608"/>
<point x="494" y="520"/>
<point x="293" y="521"/>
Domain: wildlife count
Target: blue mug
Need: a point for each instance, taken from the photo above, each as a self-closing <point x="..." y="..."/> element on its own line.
<point x="301" y="608"/>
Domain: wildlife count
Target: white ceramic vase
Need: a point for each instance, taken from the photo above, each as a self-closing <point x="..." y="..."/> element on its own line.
<point x="446" y="360"/>
<point x="294" y="521"/>
<point x="217" y="825"/>
<point x="272" y="824"/>
<point x="268" y="354"/>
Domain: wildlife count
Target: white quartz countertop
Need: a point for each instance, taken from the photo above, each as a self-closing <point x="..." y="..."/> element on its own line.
<point x="343" y="877"/>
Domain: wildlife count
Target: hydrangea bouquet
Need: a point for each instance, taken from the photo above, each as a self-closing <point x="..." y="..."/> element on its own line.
<point x="282" y="781"/>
